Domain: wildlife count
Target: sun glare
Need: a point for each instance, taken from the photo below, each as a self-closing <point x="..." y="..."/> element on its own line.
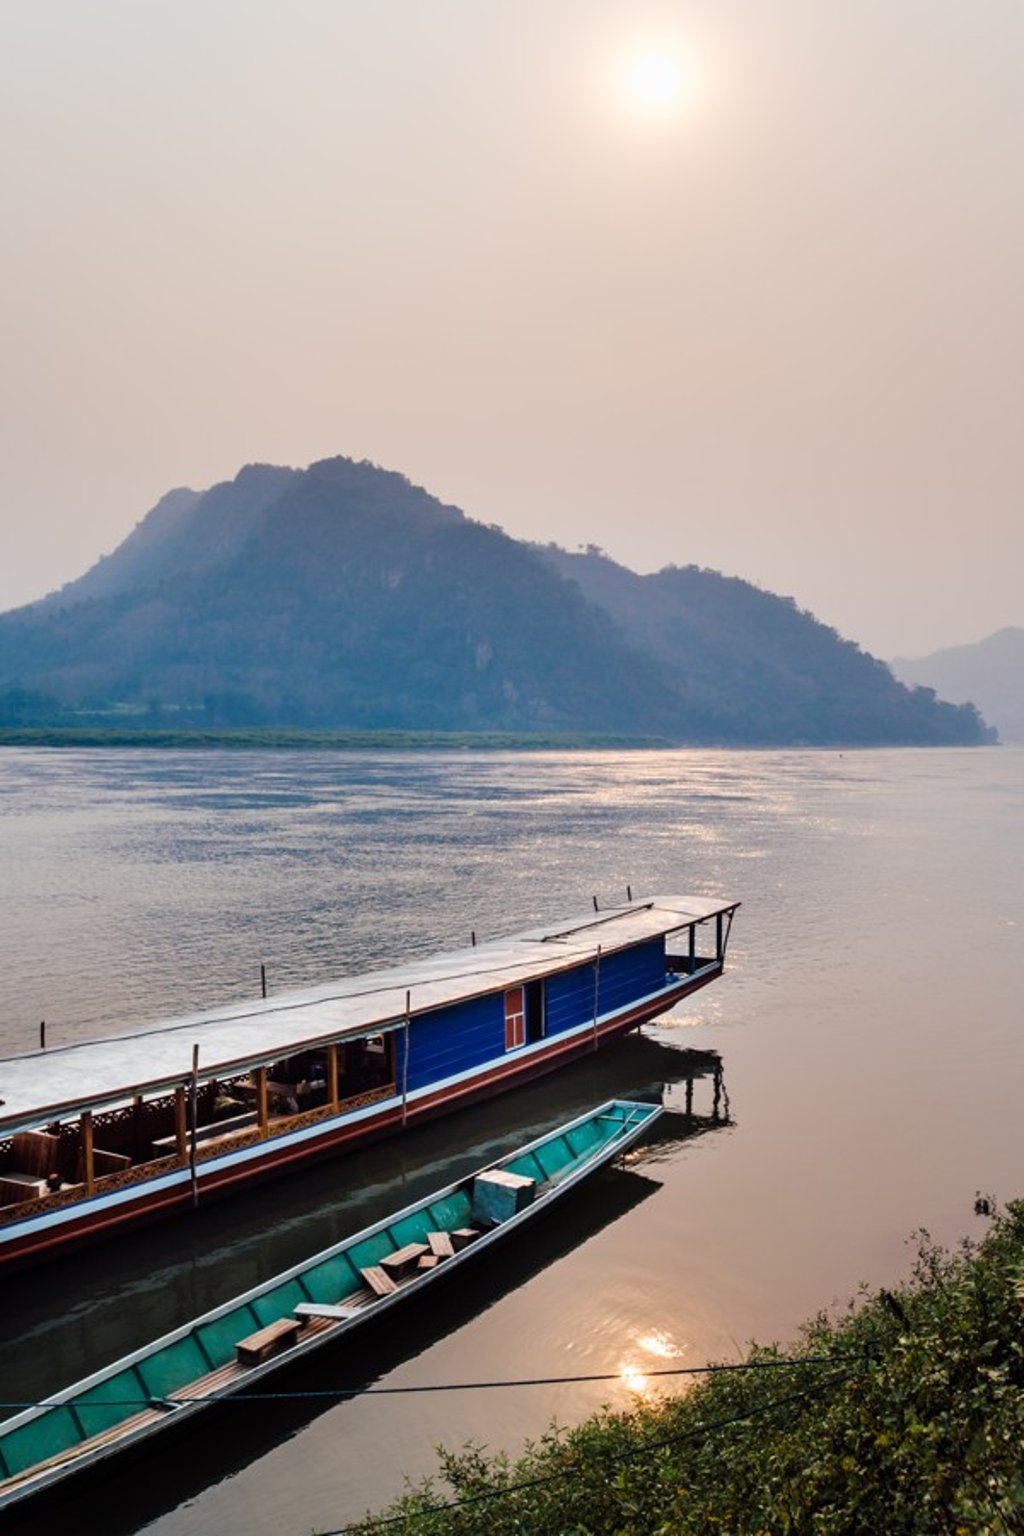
<point x="633" y="1379"/>
<point x="656" y="81"/>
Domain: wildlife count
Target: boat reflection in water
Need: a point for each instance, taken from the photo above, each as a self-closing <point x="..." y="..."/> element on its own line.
<point x="112" y="1301"/>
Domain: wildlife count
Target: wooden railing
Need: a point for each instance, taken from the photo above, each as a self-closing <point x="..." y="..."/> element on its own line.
<point x="208" y="1146"/>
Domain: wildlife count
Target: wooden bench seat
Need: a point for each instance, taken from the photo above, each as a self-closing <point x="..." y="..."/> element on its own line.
<point x="217" y="1130"/>
<point x="440" y="1244"/>
<point x="336" y="1310"/>
<point x="268" y="1341"/>
<point x="103" y="1162"/>
<point x="35" y="1152"/>
<point x="380" y="1283"/>
<point x="464" y="1236"/>
<point x="18" y="1187"/>
<point x="401" y="1263"/>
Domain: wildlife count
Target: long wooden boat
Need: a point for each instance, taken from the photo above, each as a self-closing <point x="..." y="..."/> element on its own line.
<point x="104" y="1133"/>
<point x="232" y="1348"/>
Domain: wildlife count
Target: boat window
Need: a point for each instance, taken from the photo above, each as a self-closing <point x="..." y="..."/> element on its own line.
<point x="366" y="1064"/>
<point x="294" y="1085"/>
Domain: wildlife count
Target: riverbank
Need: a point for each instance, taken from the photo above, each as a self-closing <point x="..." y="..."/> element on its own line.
<point x="339" y="741"/>
<point x="904" y="1416"/>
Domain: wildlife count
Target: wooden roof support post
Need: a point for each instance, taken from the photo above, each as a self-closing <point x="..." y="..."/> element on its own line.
<point x="194" y="1119"/>
<point x="332" y="1076"/>
<point x="180" y="1125"/>
<point x="597" y="989"/>
<point x="405" y="1060"/>
<point x="262" y="1101"/>
<point x="88" y="1160"/>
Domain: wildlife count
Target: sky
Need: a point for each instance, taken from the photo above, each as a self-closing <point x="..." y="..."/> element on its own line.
<point x="734" y="283"/>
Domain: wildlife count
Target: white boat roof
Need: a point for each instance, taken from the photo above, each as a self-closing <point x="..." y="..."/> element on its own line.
<point x="42" y="1085"/>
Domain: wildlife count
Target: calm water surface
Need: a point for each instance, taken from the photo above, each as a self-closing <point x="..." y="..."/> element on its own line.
<point x="868" y="1034"/>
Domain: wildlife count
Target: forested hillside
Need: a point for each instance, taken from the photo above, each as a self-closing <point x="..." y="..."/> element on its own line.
<point x="343" y="597"/>
<point x="767" y="670"/>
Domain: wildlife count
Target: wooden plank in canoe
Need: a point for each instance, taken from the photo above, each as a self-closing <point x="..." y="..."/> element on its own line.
<point x="441" y="1244"/>
<point x="336" y="1310"/>
<point x="378" y="1281"/>
<point x="268" y="1341"/>
<point x="402" y="1263"/>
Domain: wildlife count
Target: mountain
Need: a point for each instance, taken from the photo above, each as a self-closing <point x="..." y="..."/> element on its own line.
<point x="768" y="670"/>
<point x="344" y="597"/>
<point x="990" y="672"/>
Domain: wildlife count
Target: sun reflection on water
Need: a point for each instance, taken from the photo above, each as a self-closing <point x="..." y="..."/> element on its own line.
<point x="658" y="1343"/>
<point x="634" y="1380"/>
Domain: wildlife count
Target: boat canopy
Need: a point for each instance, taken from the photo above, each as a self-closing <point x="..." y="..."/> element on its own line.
<point x="40" y="1085"/>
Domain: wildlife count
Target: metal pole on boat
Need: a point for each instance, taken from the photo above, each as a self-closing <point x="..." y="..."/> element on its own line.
<point x="405" y="1059"/>
<point x="629" y="893"/>
<point x="42" y="1034"/>
<point x="263" y="978"/>
<point x="194" y="1106"/>
<point x="597" y="984"/>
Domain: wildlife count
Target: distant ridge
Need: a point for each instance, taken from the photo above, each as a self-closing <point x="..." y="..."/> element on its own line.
<point x="991" y="672"/>
<point x="342" y="597"/>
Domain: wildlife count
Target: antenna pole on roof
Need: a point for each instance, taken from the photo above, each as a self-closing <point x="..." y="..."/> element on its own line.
<point x="473" y="937"/>
<point x="42" y="1034"/>
<point x="594" y="900"/>
<point x="263" y="978"/>
<point x="629" y="893"/>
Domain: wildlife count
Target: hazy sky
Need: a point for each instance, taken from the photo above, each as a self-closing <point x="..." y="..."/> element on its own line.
<point x="732" y="283"/>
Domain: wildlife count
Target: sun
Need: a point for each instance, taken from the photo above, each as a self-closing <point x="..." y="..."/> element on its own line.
<point x="656" y="81"/>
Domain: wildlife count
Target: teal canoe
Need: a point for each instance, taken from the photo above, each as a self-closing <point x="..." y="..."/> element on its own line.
<point x="235" y="1346"/>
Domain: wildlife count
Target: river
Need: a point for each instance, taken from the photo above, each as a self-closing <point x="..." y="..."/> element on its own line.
<point x="855" y="1075"/>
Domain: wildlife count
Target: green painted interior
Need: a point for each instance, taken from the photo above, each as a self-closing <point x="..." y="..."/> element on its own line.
<point x="280" y="1302"/>
<point x="410" y="1229"/>
<point x="110" y="1402"/>
<point x="582" y="1138"/>
<point x="371" y="1250"/>
<point x="173" y="1367"/>
<point x="332" y="1280"/>
<point x="220" y="1336"/>
<point x="450" y="1213"/>
<point x="39" y="1439"/>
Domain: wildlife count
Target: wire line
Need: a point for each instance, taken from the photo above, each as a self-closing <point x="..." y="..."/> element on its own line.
<point x="344" y="1393"/>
